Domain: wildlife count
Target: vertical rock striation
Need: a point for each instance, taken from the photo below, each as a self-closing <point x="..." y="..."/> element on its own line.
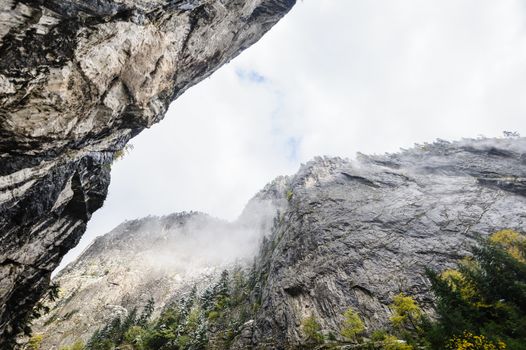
<point x="78" y="79"/>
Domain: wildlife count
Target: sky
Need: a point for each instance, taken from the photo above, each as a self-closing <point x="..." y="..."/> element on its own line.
<point x="334" y="77"/>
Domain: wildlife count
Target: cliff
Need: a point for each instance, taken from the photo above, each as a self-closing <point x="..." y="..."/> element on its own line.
<point x="162" y="258"/>
<point x="78" y="79"/>
<point x="357" y="233"/>
<point x="344" y="234"/>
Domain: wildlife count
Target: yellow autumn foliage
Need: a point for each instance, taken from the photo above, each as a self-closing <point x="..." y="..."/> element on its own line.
<point x="470" y="341"/>
<point x="406" y="312"/>
<point x="513" y="241"/>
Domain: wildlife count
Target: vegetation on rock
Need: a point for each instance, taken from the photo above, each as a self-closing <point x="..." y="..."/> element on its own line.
<point x="312" y="330"/>
<point x="484" y="303"/>
<point x="479" y="306"/>
<point x="352" y="325"/>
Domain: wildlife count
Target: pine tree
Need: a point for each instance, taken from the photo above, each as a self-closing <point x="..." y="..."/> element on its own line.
<point x="146" y="312"/>
<point x="485" y="299"/>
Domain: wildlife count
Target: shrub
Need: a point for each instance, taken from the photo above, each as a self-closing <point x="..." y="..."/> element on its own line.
<point x="352" y="325"/>
<point x="378" y="335"/>
<point x="469" y="341"/>
<point x="312" y="330"/>
<point x="512" y="241"/>
<point x="393" y="343"/>
<point x="406" y="312"/>
<point x="78" y="345"/>
<point x="213" y="315"/>
<point x="34" y="342"/>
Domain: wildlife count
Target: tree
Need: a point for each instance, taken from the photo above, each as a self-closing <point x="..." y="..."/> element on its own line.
<point x="406" y="312"/>
<point x="352" y="325"/>
<point x="469" y="341"/>
<point x="511" y="241"/>
<point x="135" y="336"/>
<point x="312" y="330"/>
<point x="146" y="312"/>
<point x="485" y="300"/>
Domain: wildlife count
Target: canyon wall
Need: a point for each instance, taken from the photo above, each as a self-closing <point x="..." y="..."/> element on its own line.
<point x="79" y="79"/>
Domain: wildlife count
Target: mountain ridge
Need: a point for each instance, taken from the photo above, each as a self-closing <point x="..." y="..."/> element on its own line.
<point x="353" y="233"/>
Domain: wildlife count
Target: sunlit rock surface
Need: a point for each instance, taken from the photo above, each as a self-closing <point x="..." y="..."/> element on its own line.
<point x="78" y="79"/>
<point x="343" y="234"/>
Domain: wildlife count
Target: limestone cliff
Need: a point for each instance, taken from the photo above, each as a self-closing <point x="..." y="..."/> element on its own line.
<point x="155" y="257"/>
<point x="344" y="234"/>
<point x="78" y="79"/>
<point x="357" y="233"/>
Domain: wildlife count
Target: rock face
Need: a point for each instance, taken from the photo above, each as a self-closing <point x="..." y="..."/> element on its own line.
<point x="357" y="233"/>
<point x="160" y="258"/>
<point x="345" y="234"/>
<point x="78" y="79"/>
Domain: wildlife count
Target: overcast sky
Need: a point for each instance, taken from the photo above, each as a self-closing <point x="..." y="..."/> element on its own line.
<point x="334" y="77"/>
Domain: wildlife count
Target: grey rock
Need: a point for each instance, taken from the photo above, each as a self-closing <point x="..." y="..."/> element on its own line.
<point x="162" y="258"/>
<point x="342" y="234"/>
<point x="78" y="79"/>
<point x="356" y="233"/>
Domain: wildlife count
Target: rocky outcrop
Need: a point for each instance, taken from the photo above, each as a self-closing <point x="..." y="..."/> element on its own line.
<point x="162" y="258"/>
<point x="344" y="234"/>
<point x="78" y="79"/>
<point x="356" y="233"/>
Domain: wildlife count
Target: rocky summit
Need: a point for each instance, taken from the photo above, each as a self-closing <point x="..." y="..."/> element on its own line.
<point x="340" y="233"/>
<point x="78" y="79"/>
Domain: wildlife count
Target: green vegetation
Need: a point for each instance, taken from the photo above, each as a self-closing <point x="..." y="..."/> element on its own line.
<point x="78" y="345"/>
<point x="34" y="342"/>
<point x="406" y="312"/>
<point x="481" y="305"/>
<point x="121" y="331"/>
<point x="352" y="325"/>
<point x="119" y="154"/>
<point x="192" y="322"/>
<point x="312" y="331"/>
<point x="485" y="301"/>
<point x="22" y="326"/>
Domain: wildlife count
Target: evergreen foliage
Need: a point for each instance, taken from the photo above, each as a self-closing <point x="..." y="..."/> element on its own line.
<point x="22" y="326"/>
<point x="187" y="324"/>
<point x="485" y="301"/>
<point x="479" y="306"/>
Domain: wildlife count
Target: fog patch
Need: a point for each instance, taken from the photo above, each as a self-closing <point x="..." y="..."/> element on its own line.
<point x="192" y="244"/>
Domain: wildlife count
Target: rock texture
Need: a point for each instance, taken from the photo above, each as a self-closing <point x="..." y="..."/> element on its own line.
<point x="357" y="233"/>
<point x="160" y="258"/>
<point x="348" y="234"/>
<point x="78" y="79"/>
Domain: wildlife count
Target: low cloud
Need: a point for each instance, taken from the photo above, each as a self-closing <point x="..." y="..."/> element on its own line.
<point x="332" y="78"/>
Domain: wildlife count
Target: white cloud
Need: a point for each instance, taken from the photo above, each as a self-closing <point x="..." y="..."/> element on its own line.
<point x="333" y="78"/>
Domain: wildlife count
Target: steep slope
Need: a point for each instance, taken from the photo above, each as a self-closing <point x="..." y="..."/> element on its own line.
<point x="354" y="234"/>
<point x="78" y="79"/>
<point x="357" y="233"/>
<point x="155" y="257"/>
